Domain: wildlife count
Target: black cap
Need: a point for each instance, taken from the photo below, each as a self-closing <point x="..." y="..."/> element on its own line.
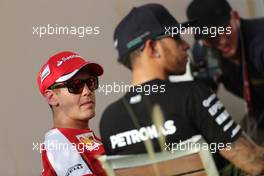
<point x="142" y="23"/>
<point x="210" y="13"/>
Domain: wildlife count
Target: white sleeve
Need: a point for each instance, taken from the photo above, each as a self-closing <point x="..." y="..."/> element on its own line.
<point x="63" y="156"/>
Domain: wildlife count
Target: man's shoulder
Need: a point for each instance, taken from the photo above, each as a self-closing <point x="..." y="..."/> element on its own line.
<point x="253" y="38"/>
<point x="170" y="88"/>
<point x="186" y="87"/>
<point x="54" y="136"/>
<point x="113" y="106"/>
<point x="182" y="84"/>
<point x="255" y="23"/>
<point x="52" y="133"/>
<point x="252" y="29"/>
<point x="59" y="150"/>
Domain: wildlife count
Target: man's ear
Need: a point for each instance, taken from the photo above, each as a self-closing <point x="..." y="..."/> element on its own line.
<point x="235" y="16"/>
<point x="51" y="97"/>
<point x="151" y="49"/>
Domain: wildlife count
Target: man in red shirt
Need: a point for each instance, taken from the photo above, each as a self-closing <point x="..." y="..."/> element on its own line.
<point x="67" y="82"/>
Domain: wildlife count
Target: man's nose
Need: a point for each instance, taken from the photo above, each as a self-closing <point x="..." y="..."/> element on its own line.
<point x="222" y="40"/>
<point x="185" y="45"/>
<point x="86" y="90"/>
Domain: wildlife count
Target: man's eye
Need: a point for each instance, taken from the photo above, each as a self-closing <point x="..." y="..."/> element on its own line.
<point x="75" y="82"/>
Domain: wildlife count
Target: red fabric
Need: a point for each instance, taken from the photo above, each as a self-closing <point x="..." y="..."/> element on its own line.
<point x="76" y="136"/>
<point x="89" y="156"/>
<point x="47" y="168"/>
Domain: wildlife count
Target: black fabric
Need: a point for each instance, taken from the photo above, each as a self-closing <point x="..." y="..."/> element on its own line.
<point x="232" y="78"/>
<point x="185" y="105"/>
<point x="210" y="13"/>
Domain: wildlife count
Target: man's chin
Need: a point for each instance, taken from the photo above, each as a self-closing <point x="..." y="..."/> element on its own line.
<point x="182" y="72"/>
<point x="229" y="54"/>
<point x="178" y="72"/>
<point x="88" y="115"/>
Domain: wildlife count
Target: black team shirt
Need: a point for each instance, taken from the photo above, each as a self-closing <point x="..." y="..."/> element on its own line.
<point x="188" y="108"/>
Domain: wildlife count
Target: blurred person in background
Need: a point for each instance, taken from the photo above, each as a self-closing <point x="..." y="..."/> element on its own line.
<point x="234" y="57"/>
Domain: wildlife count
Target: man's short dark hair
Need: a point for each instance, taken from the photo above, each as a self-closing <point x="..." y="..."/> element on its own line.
<point x="128" y="59"/>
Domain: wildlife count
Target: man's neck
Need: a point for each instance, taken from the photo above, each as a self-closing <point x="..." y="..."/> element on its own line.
<point x="236" y="59"/>
<point x="141" y="76"/>
<point x="72" y="126"/>
<point x="66" y="122"/>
